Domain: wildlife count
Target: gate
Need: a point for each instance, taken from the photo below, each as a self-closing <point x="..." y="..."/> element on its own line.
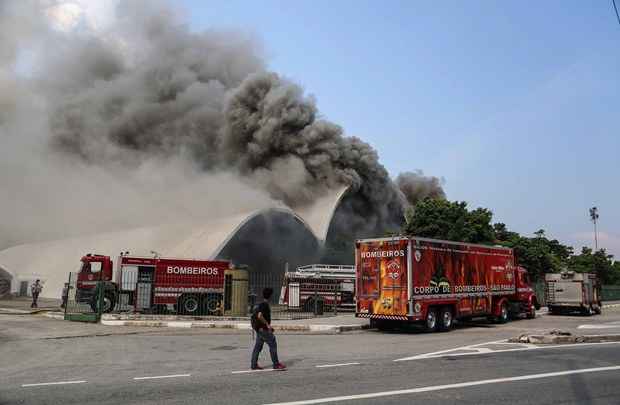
<point x="83" y="304"/>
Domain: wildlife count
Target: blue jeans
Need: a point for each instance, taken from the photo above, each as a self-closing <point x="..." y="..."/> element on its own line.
<point x="265" y="336"/>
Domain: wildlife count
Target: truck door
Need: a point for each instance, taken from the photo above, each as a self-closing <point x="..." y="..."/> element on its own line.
<point x="144" y="287"/>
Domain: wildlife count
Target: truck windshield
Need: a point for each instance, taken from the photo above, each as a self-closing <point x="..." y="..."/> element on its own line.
<point x="84" y="267"/>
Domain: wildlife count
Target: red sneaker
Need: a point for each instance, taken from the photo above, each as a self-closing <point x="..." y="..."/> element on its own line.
<point x="279" y="366"/>
<point x="257" y="368"/>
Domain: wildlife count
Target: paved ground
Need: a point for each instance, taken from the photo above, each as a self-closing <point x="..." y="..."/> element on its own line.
<point x="110" y="365"/>
<point x="23" y="304"/>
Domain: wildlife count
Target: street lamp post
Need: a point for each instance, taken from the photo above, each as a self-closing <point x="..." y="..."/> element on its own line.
<point x="594" y="217"/>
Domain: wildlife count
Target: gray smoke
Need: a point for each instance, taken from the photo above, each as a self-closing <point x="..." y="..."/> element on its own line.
<point x="148" y="99"/>
<point x="415" y="186"/>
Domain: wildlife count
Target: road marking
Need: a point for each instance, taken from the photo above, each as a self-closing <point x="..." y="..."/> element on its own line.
<point x="254" y="371"/>
<point x="606" y="325"/>
<point x="475" y="347"/>
<point x="336" y="365"/>
<point x="448" y="386"/>
<point x="156" y="377"/>
<point x="483" y="350"/>
<point x="54" y="383"/>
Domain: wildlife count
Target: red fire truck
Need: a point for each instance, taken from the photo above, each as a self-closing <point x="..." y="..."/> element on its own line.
<point x="434" y="282"/>
<point x="152" y="284"/>
<point x="324" y="283"/>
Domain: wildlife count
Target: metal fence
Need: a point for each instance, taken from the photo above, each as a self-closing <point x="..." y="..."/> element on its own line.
<point x="233" y="294"/>
<point x="610" y="292"/>
<point x="82" y="300"/>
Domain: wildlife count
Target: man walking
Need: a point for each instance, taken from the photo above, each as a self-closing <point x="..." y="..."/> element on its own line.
<point x="35" y="289"/>
<point x="261" y="323"/>
<point x="65" y="295"/>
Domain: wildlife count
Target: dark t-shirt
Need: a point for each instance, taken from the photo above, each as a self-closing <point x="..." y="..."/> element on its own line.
<point x="266" y="310"/>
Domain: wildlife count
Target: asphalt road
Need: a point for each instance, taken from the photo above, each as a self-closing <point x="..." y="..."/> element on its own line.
<point x="107" y="365"/>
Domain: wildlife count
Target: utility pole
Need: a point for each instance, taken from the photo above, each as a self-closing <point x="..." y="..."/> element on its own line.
<point x="593" y="218"/>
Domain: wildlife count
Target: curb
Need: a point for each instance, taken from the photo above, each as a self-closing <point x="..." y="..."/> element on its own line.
<point x="54" y="315"/>
<point x="172" y="318"/>
<point x="565" y="339"/>
<point x="335" y="329"/>
<point x="13" y="311"/>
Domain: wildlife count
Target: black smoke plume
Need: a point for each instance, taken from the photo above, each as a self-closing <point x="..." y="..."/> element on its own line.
<point x="147" y="89"/>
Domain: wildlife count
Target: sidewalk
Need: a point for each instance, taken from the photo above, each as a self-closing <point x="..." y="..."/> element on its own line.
<point x="21" y="305"/>
<point x="332" y="324"/>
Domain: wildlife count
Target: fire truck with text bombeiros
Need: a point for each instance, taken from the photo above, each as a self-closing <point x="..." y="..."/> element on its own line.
<point x="152" y="284"/>
<point x="434" y="282"/>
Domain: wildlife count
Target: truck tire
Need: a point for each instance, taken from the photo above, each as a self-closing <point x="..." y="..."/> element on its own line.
<point x="503" y="314"/>
<point x="211" y="304"/>
<point x="109" y="302"/>
<point x="189" y="305"/>
<point x="431" y="322"/>
<point x="532" y="313"/>
<point x="446" y="319"/>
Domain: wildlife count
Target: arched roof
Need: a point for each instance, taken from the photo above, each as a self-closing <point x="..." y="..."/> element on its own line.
<point x="260" y="232"/>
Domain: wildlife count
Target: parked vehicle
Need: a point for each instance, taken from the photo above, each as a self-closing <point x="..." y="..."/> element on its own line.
<point x="434" y="282"/>
<point x="153" y="284"/>
<point x="318" y="285"/>
<point x="569" y="291"/>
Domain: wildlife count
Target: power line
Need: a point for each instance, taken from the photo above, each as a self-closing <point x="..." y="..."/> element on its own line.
<point x="616" y="8"/>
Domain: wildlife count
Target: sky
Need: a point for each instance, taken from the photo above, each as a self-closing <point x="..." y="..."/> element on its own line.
<point x="514" y="104"/>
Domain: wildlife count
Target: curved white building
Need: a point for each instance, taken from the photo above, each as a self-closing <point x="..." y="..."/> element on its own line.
<point x="264" y="240"/>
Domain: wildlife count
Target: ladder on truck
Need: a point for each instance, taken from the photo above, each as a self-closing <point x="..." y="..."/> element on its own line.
<point x="549" y="292"/>
<point x="326" y="271"/>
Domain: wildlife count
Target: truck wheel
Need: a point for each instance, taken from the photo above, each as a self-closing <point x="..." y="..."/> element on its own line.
<point x="446" y="319"/>
<point x="211" y="304"/>
<point x="189" y="305"/>
<point x="532" y="313"/>
<point x="109" y="302"/>
<point x="431" y="322"/>
<point x="503" y="314"/>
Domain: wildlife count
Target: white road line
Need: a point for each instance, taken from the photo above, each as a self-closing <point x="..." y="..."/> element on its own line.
<point x="448" y="386"/>
<point x="156" y="377"/>
<point x="434" y="354"/>
<point x="529" y="346"/>
<point x="253" y="371"/>
<point x="336" y="365"/>
<point x="54" y="383"/>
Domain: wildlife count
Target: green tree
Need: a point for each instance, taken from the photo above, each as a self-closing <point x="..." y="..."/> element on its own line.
<point x="598" y="262"/>
<point x="539" y="255"/>
<point x="450" y="220"/>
